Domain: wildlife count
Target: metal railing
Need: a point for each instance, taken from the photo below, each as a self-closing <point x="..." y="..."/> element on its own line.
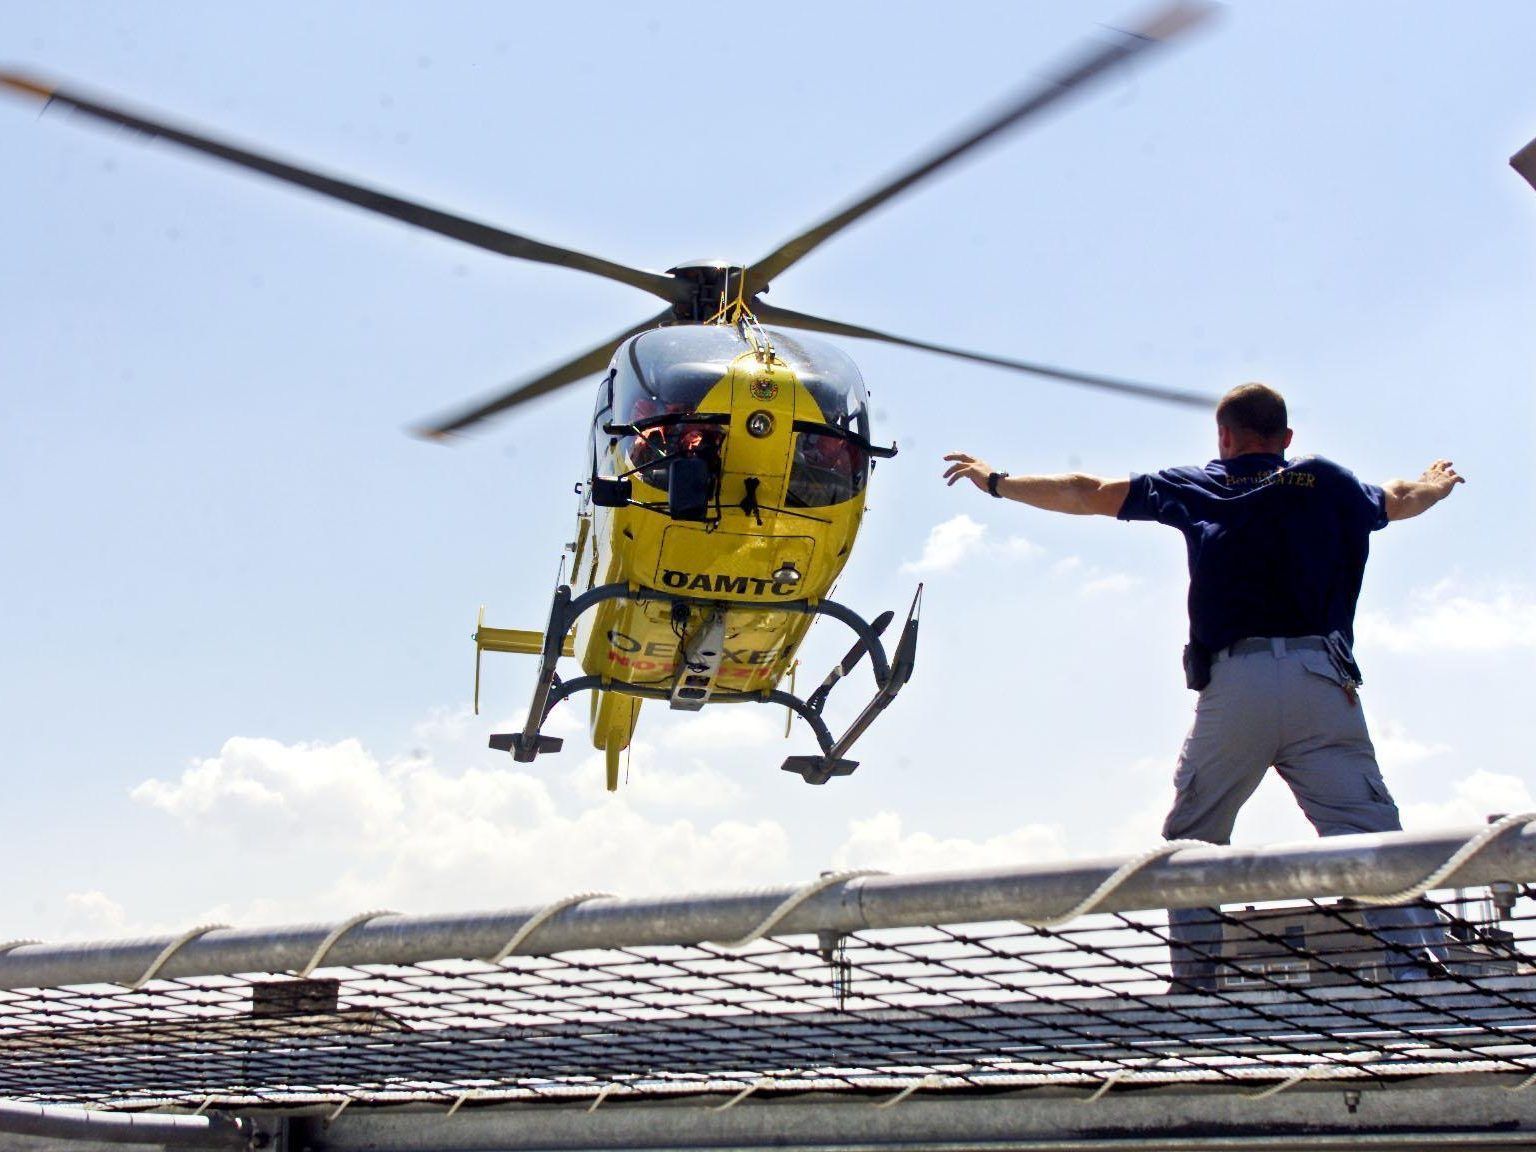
<point x="1040" y="976"/>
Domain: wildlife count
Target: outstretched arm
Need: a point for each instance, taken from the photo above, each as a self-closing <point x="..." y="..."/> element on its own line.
<point x="1407" y="498"/>
<point x="1072" y="493"/>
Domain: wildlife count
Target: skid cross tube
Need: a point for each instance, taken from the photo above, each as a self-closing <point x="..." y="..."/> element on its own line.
<point x="848" y="663"/>
<point x="567" y="688"/>
<point x="550" y="690"/>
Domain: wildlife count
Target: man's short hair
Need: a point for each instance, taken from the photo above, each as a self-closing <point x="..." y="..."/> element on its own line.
<point x="1256" y="409"/>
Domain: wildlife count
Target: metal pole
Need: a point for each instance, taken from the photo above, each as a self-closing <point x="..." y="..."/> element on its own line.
<point x="84" y="1126"/>
<point x="1365" y="865"/>
<point x="1394" y="1117"/>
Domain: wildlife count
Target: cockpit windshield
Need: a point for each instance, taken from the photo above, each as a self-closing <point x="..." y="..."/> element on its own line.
<point x="661" y="378"/>
<point x="672" y="369"/>
<point x="832" y="379"/>
<point x="666" y="373"/>
<point x="829" y="466"/>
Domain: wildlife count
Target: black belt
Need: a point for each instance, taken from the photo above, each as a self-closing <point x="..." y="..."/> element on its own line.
<point x="1279" y="645"/>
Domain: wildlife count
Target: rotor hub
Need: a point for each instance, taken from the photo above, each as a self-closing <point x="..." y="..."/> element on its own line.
<point x="714" y="286"/>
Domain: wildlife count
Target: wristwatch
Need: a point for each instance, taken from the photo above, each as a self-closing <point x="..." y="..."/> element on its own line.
<point x="992" y="481"/>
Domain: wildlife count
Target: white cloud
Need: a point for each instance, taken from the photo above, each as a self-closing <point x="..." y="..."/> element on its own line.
<point x="1090" y="579"/>
<point x="1444" y="618"/>
<point x="958" y="539"/>
<point x="93" y="914"/>
<point x="1474" y="799"/>
<point x="292" y="790"/>
<point x="742" y="726"/>
<point x="1143" y="792"/>
<point x="948" y="544"/>
<point x="447" y="859"/>
<point x="452" y="732"/>
<point x="446" y="726"/>
<point x="881" y="842"/>
<point x="1396" y="750"/>
<point x="1018" y="547"/>
<point x="414" y="836"/>
<point x="652" y="777"/>
<point x="1109" y="584"/>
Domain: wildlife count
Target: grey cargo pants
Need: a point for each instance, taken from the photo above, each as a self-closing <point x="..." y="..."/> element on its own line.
<point x="1286" y="708"/>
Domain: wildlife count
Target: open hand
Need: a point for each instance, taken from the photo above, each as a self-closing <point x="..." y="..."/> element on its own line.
<point x="963" y="467"/>
<point x="1442" y="476"/>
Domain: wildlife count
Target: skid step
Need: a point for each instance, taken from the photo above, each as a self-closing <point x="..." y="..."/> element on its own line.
<point x="818" y="769"/>
<point x="521" y="749"/>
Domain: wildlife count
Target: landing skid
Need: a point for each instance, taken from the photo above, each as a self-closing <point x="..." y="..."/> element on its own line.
<point x="891" y="674"/>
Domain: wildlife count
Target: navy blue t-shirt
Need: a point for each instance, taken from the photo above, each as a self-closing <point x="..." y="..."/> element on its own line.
<point x="1275" y="548"/>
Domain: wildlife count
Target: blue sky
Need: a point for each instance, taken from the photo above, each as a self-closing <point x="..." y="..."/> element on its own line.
<point x="238" y="598"/>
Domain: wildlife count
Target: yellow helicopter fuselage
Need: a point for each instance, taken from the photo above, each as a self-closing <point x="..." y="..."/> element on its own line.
<point x="725" y="486"/>
<point x="780" y="529"/>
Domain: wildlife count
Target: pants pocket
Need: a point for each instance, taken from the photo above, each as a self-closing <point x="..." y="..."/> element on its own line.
<point x="1318" y="664"/>
<point x="1378" y="789"/>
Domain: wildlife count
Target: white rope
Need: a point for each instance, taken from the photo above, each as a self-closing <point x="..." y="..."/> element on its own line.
<point x="1523" y="1085"/>
<point x="1430" y="882"/>
<point x="1115" y="879"/>
<point x="1468" y="850"/>
<point x="1291" y="1081"/>
<point x="793" y="901"/>
<point x="340" y="1108"/>
<point x="537" y="920"/>
<point x="926" y="1082"/>
<point x="459" y="1103"/>
<point x="601" y="1096"/>
<point x="742" y="1095"/>
<point x="336" y="934"/>
<point x="1109" y="1082"/>
<point x="170" y="950"/>
<point x="203" y="1107"/>
<point x="1340" y="1067"/>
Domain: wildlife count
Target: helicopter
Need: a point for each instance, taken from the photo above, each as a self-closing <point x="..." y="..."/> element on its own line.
<point x="728" y="459"/>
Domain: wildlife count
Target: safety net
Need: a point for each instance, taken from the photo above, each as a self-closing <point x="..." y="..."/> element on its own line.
<point x="1300" y="990"/>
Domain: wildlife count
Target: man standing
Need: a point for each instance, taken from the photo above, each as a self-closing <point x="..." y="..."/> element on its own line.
<point x="1277" y="551"/>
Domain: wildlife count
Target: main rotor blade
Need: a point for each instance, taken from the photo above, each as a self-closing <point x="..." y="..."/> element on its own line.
<point x="589" y="363"/>
<point x="433" y="220"/>
<point x="771" y="314"/>
<point x="1167" y="23"/>
<point x="1524" y="162"/>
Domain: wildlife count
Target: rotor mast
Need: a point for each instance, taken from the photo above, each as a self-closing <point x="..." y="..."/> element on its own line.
<point x="716" y="292"/>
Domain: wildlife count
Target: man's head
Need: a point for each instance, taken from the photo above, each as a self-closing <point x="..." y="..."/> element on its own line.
<point x="1251" y="418"/>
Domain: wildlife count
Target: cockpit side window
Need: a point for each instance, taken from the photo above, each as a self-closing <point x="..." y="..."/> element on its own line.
<point x="602" y="414"/>
<point x="825" y="470"/>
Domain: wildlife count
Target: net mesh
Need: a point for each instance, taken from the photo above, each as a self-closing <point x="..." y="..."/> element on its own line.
<point x="1303" y="990"/>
